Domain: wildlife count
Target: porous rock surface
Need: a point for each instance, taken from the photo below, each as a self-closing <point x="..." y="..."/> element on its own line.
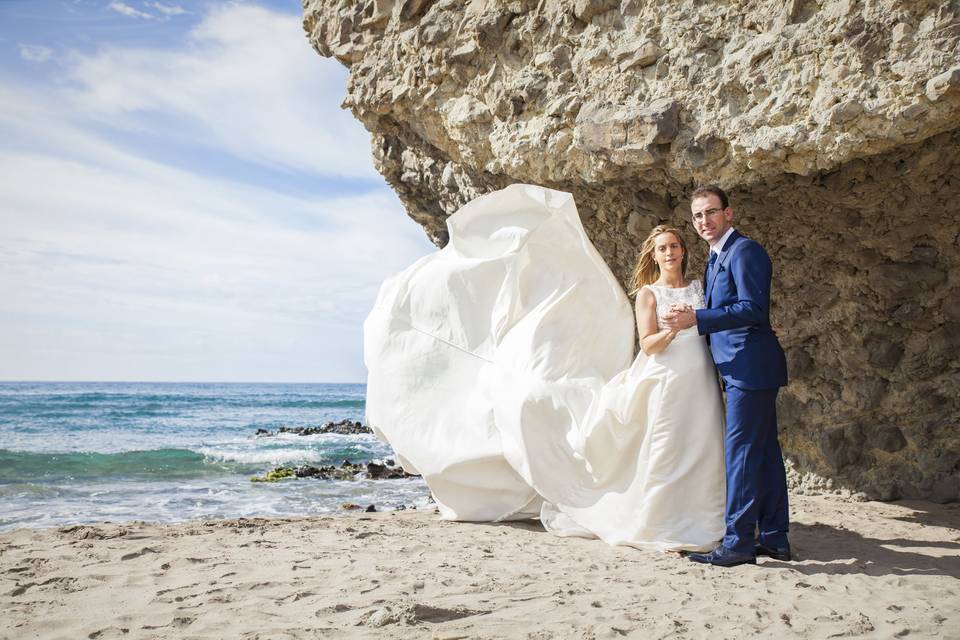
<point x="834" y="124"/>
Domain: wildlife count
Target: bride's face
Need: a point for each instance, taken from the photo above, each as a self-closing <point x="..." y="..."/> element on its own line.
<point x="668" y="252"/>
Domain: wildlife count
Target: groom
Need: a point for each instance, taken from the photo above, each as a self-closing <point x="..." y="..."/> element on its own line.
<point x="751" y="363"/>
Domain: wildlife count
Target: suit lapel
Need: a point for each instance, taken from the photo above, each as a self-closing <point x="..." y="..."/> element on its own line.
<point x="718" y="266"/>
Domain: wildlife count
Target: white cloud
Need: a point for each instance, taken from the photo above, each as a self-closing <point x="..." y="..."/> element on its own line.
<point x="136" y="270"/>
<point x="35" y="52"/>
<point x="130" y="12"/>
<point x="167" y="9"/>
<point x="119" y="266"/>
<point x="246" y="81"/>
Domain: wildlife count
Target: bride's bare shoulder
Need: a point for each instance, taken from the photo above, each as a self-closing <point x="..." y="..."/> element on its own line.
<point x="646" y="297"/>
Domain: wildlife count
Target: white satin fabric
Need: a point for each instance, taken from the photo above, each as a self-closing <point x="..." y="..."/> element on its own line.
<point x="500" y="370"/>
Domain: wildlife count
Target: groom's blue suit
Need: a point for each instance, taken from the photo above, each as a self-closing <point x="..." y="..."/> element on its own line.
<point x="748" y="356"/>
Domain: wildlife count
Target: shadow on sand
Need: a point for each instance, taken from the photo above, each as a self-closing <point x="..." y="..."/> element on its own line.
<point x="826" y="549"/>
<point x="930" y="515"/>
<point x="840" y="551"/>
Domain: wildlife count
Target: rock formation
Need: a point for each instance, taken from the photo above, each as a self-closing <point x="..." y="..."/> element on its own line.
<point x="834" y="124"/>
<point x="373" y="470"/>
<point x="342" y="428"/>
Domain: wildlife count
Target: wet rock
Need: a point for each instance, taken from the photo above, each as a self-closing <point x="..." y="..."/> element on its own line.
<point x="306" y="471"/>
<point x="346" y="471"/>
<point x="378" y="471"/>
<point x="343" y="427"/>
<point x="371" y="508"/>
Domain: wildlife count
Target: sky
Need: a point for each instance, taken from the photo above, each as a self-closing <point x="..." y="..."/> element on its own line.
<point x="182" y="198"/>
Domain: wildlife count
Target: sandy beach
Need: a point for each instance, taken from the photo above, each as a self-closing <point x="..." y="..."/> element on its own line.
<point x="864" y="569"/>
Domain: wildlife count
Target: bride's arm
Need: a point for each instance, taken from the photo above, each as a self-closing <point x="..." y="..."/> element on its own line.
<point x="652" y="339"/>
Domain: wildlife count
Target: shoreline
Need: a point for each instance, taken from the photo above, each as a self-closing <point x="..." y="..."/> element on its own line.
<point x="862" y="568"/>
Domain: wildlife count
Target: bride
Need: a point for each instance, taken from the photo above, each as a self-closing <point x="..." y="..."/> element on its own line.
<point x="501" y="369"/>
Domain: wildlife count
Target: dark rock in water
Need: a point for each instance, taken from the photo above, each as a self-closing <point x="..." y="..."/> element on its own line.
<point x="346" y="471"/>
<point x="306" y="471"/>
<point x="377" y="471"/>
<point x="371" y="509"/>
<point x="263" y="433"/>
<point x="343" y="428"/>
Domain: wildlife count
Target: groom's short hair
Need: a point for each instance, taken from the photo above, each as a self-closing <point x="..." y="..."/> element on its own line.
<point x="711" y="190"/>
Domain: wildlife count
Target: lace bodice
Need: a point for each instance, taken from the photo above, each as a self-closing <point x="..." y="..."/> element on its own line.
<point x="692" y="294"/>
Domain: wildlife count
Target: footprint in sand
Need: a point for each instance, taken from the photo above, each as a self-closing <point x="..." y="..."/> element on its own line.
<point x="136" y="554"/>
<point x="177" y="623"/>
<point x="57" y="583"/>
<point x="108" y="633"/>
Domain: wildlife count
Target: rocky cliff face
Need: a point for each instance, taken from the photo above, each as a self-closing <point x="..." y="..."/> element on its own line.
<point x="834" y="124"/>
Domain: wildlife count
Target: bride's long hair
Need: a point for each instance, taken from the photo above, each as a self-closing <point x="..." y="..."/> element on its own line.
<point x="647" y="270"/>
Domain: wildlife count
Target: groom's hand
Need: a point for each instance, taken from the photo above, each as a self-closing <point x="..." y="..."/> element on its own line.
<point x="680" y="318"/>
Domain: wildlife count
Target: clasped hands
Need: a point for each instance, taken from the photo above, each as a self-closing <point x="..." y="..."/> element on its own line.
<point x="681" y="316"/>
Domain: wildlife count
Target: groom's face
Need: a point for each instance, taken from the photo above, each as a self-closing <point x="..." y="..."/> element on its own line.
<point x="710" y="219"/>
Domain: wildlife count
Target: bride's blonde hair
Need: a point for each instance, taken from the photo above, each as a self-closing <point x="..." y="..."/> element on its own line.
<point x="647" y="270"/>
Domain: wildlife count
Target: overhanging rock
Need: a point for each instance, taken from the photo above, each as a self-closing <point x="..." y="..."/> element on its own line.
<point x="835" y="125"/>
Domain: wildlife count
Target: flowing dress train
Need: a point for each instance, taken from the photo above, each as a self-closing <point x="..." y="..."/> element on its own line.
<point x="501" y="369"/>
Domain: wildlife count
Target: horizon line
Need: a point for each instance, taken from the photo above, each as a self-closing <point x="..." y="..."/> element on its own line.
<point x="7" y="381"/>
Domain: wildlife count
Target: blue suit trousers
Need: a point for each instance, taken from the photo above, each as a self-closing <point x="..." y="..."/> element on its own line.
<point x="756" y="480"/>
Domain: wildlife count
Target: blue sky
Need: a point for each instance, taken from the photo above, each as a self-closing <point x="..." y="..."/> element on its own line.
<point x="181" y="197"/>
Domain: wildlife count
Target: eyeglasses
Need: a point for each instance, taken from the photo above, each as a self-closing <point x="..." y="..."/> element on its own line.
<point x="699" y="216"/>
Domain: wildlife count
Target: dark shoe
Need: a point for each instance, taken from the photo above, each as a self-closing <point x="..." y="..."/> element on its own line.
<point x="723" y="557"/>
<point x="775" y="553"/>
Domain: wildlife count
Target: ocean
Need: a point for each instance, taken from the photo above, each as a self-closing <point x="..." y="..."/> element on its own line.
<point x="75" y="453"/>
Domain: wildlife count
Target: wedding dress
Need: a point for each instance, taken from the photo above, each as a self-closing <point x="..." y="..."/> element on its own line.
<point x="500" y="368"/>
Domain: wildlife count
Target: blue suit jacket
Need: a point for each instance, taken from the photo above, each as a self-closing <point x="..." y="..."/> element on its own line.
<point x="737" y="318"/>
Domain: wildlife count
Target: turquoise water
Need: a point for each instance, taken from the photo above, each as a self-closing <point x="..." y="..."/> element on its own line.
<point x="89" y="452"/>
